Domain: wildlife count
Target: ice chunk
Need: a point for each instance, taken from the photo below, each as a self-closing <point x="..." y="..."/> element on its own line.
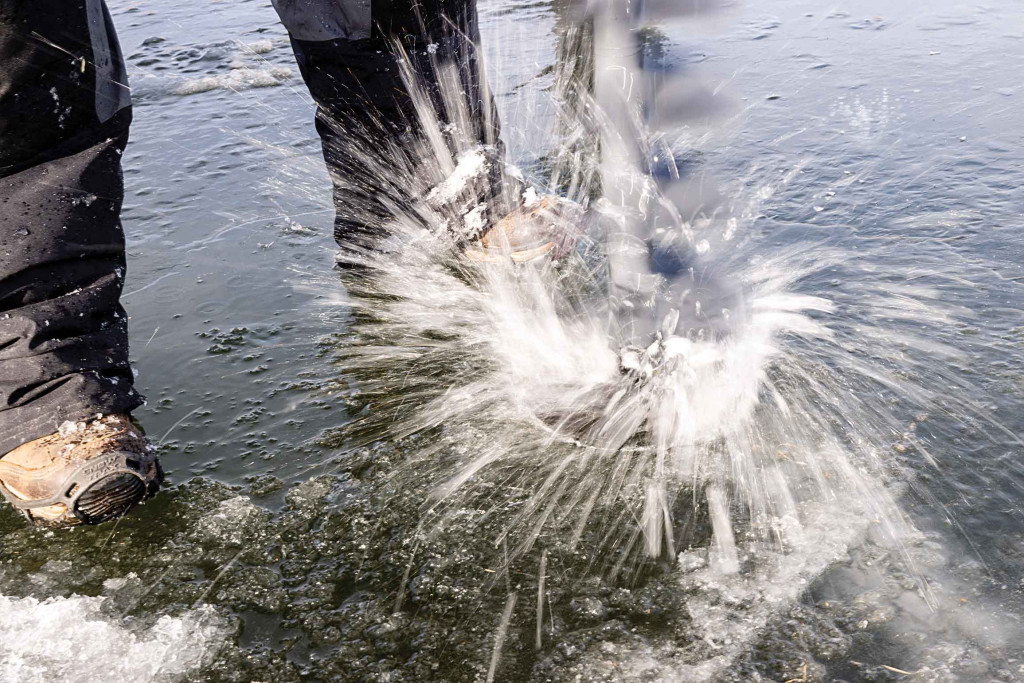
<point x="71" y="639"/>
<point x="236" y="79"/>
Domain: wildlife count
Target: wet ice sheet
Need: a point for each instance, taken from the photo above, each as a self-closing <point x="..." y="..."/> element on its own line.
<point x="860" y="167"/>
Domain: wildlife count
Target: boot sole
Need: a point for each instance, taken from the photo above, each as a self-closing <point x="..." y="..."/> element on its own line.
<point x="96" y="490"/>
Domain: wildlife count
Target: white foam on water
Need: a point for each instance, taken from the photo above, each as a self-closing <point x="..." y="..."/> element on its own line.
<point x="73" y="639"/>
<point x="242" y="78"/>
<point x="257" y="47"/>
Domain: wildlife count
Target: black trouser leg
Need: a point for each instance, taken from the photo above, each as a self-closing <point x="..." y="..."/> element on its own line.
<point x="346" y="54"/>
<point x="64" y="116"/>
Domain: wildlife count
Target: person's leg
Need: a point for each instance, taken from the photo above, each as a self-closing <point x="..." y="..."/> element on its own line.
<point x="346" y="53"/>
<point x="64" y="117"/>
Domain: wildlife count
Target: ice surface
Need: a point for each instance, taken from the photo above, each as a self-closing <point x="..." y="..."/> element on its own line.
<point x="65" y="639"/>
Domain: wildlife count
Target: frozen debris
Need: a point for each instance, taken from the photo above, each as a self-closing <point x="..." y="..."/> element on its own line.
<point x="471" y="166"/>
<point x="299" y="229"/>
<point x="530" y="197"/>
<point x="81" y="643"/>
<point x="113" y="585"/>
<point x="236" y="79"/>
<point x="309" y="493"/>
<point x="692" y="560"/>
<point x="634" y="362"/>
<point x="461" y="202"/>
<point x="83" y="430"/>
<point x="69" y="427"/>
<point x="475" y="220"/>
<point x="587" y="610"/>
<point x="258" y="47"/>
<point x="233" y="522"/>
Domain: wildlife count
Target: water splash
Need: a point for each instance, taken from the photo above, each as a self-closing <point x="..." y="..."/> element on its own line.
<point x="752" y="413"/>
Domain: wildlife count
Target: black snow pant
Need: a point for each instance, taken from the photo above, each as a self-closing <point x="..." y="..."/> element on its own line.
<point x="347" y="58"/>
<point x="65" y="109"/>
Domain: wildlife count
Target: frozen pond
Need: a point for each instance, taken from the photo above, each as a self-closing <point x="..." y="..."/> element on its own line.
<point x="889" y="132"/>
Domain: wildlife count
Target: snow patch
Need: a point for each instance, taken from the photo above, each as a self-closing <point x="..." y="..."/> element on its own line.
<point x="236" y="79"/>
<point x="470" y="166"/>
<point x="72" y="639"/>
